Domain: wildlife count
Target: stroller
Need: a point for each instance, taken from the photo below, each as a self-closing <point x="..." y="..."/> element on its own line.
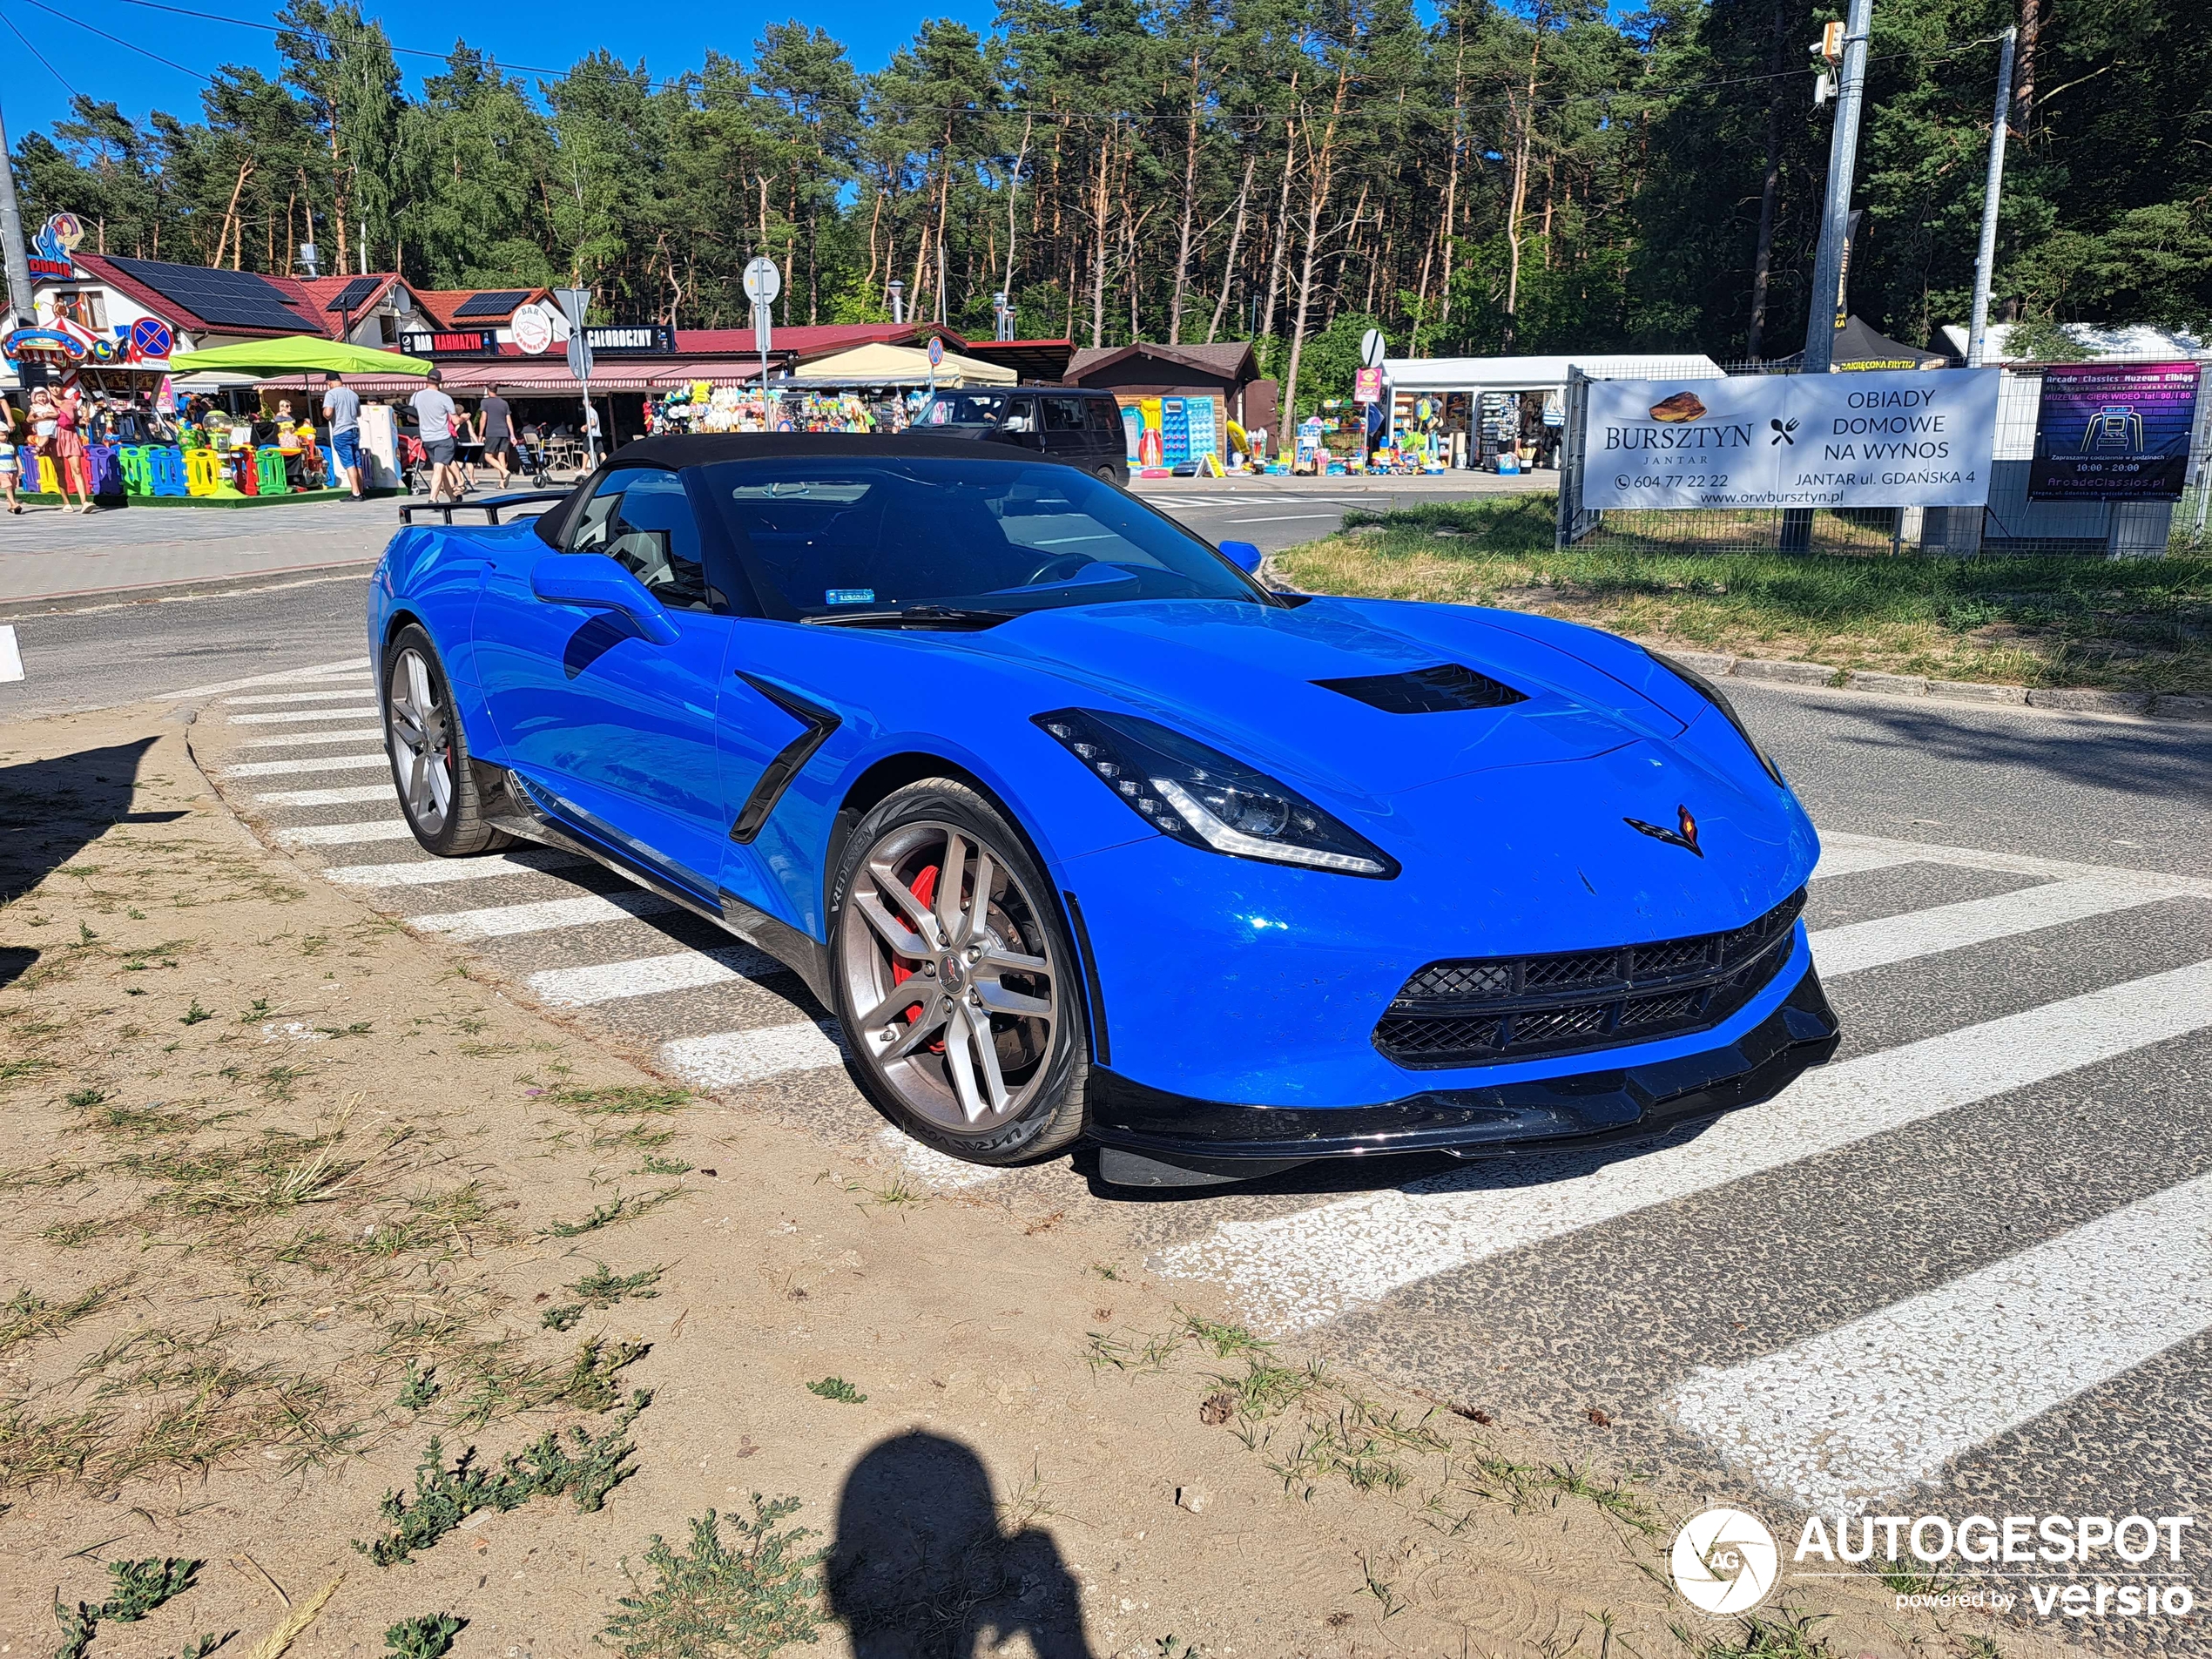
<point x="529" y="444"/>
<point x="414" y="461"/>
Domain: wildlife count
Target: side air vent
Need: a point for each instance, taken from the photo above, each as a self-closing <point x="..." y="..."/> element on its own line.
<point x="1442" y="690"/>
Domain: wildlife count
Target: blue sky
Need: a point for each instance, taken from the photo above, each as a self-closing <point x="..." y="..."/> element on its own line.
<point x="546" y="33"/>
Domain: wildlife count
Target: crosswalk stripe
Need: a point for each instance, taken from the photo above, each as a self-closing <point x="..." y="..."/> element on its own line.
<point x="1302" y="1270"/>
<point x="431" y="872"/>
<point x="1977" y="858"/>
<point x="291" y="717"/>
<point x="731" y="1059"/>
<point x="354" y="796"/>
<point x="504" y="922"/>
<point x="1849" y="860"/>
<point x="1874" y="1406"/>
<point x="382" y="829"/>
<point x="301" y="740"/>
<point x="685" y="970"/>
<point x="273" y="698"/>
<point x="352" y="668"/>
<point x="309" y="763"/>
<point x="932" y="1168"/>
<point x="1953" y="927"/>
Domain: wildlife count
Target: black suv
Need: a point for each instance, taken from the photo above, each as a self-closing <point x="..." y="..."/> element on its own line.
<point x="1083" y="428"/>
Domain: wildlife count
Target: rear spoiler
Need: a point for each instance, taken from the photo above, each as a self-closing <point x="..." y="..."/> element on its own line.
<point x="491" y="505"/>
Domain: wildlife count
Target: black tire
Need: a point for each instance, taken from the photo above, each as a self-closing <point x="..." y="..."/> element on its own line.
<point x="455" y="827"/>
<point x="1041" y="1072"/>
<point x="1117" y="477"/>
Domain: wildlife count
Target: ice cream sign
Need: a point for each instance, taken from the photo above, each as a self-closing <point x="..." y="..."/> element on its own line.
<point x="1908" y="438"/>
<point x="51" y="247"/>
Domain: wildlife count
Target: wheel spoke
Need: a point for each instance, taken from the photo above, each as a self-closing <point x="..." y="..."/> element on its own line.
<point x="441" y="780"/>
<point x="996" y="955"/>
<point x="933" y="1011"/>
<point x="999" y="999"/>
<point x="888" y="886"/>
<point x="948" y="883"/>
<point x="899" y="938"/>
<point x="417" y="788"/>
<point x="418" y="686"/>
<point x="406" y="726"/>
<point x="987" y="1055"/>
<point x="960" y="1063"/>
<point x="979" y="908"/>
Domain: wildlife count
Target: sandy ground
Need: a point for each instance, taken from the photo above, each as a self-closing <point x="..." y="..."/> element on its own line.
<point x="290" y="1198"/>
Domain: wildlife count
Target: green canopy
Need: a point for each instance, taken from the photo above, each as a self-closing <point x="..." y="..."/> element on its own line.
<point x="294" y="354"/>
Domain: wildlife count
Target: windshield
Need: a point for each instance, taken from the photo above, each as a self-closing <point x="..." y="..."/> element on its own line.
<point x="825" y="540"/>
<point x="964" y="408"/>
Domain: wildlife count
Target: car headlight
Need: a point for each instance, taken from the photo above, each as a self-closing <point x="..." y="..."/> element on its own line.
<point x="1201" y="798"/>
<point x="1718" y="698"/>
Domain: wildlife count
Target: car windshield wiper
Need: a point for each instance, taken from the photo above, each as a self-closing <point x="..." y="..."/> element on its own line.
<point x="913" y="616"/>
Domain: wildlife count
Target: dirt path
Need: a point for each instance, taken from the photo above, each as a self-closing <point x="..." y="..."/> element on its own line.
<point x="298" y="1213"/>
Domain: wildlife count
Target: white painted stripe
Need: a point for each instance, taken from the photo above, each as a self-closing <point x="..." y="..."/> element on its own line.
<point x="1974" y="858"/>
<point x="11" y="654"/>
<point x="683" y="970"/>
<point x="431" y="872"/>
<point x="731" y="1059"/>
<point x="1285" y="518"/>
<point x="300" y="739"/>
<point x="358" y="691"/>
<point x="1863" y="945"/>
<point x="504" y="922"/>
<point x="391" y="829"/>
<point x="1856" y="1413"/>
<point x="1297" y="1270"/>
<point x="931" y="1168"/>
<point x="310" y="763"/>
<point x="354" y="795"/>
<point x="1849" y="860"/>
<point x="300" y="717"/>
<point x="353" y="666"/>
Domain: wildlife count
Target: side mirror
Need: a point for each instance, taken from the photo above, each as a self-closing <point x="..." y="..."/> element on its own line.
<point x="594" y="581"/>
<point x="1242" y="554"/>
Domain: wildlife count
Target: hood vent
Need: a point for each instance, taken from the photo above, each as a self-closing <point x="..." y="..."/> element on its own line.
<point x="1442" y="690"/>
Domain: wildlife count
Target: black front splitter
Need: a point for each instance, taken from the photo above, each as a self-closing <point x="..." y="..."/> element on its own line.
<point x="1151" y="1137"/>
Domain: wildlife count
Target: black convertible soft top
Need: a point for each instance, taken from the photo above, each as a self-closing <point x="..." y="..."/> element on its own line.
<point x="702" y="448"/>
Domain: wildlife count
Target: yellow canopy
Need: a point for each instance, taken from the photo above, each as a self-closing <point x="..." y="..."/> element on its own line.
<point x="881" y="365"/>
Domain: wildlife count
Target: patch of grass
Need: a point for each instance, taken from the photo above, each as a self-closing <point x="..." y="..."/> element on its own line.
<point x="428" y="1635"/>
<point x="838" y="1389"/>
<point x="2141" y="625"/>
<point x="26" y="1316"/>
<point x="1226" y="1340"/>
<point x="600" y="1289"/>
<point x="142" y="1586"/>
<point x="619" y="1208"/>
<point x="1150" y="1352"/>
<point x="194" y="1015"/>
<point x="563" y="1316"/>
<point x="418" y="1388"/>
<point x="654" y="1164"/>
<point x="1792" y="1635"/>
<point x="587" y="1468"/>
<point x="74" y="1235"/>
<point x="755" y="1598"/>
<point x="592" y="1379"/>
<point x="1269" y="1388"/>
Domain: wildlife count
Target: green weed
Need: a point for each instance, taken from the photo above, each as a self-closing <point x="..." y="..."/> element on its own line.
<point x="427" y="1636"/>
<point x="420" y="1387"/>
<point x="600" y="1289"/>
<point x="25" y="1316"/>
<point x="838" y="1389"/>
<point x="754" y="1599"/>
<point x="194" y="1015"/>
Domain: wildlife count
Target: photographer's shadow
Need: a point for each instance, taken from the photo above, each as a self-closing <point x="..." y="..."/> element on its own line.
<point x="923" y="1568"/>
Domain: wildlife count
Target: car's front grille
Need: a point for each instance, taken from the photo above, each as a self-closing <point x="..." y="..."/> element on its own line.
<point x="1523" y="1007"/>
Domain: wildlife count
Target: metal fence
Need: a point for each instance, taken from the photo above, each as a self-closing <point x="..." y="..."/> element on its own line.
<point x="2010" y="525"/>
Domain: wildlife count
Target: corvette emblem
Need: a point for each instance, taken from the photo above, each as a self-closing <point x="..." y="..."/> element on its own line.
<point x="1685" y="837"/>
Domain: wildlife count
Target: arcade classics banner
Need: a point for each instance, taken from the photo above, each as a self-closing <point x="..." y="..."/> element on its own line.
<point x="1915" y="438"/>
<point x="2113" y="432"/>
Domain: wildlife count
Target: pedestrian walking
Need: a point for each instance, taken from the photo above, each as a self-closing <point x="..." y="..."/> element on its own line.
<point x="342" y="406"/>
<point x="495" y="428"/>
<point x="70" y="468"/>
<point x="434" y="419"/>
<point x="14" y="429"/>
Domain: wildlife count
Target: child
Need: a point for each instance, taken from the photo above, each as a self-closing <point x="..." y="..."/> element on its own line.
<point x="11" y="454"/>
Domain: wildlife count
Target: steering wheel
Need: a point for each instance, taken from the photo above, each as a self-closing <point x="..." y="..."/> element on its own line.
<point x="1059" y="568"/>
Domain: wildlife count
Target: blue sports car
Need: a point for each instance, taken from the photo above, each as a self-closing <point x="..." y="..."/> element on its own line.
<point x="1082" y="833"/>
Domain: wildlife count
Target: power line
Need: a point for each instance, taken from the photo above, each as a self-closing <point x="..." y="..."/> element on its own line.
<point x="129" y="46"/>
<point x="40" y="55"/>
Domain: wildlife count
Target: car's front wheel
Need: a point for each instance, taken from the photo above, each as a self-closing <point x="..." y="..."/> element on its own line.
<point x="955" y="979"/>
<point x="429" y="752"/>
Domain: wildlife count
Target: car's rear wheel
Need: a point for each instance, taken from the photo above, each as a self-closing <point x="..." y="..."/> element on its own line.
<point x="429" y="752"/>
<point x="1112" y="475"/>
<point x="955" y="979"/>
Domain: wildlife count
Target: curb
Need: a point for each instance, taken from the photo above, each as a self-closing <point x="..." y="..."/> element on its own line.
<point x="2160" y="705"/>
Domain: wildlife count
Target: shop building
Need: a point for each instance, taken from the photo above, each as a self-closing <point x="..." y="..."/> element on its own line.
<point x="1479" y="406"/>
<point x="1180" y="402"/>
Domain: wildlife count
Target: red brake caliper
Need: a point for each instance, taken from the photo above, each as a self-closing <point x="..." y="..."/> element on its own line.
<point x="924" y="888"/>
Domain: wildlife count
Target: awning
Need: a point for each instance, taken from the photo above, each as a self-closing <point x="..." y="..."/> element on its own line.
<point x="881" y="365"/>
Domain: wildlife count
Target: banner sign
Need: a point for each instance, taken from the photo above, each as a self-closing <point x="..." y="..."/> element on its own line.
<point x="2113" y="433"/>
<point x="1367" y="386"/>
<point x="450" y="343"/>
<point x="633" y="339"/>
<point x="1913" y="439"/>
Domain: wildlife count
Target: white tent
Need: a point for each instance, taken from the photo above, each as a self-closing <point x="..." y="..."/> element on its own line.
<point x="1540" y="374"/>
<point x="881" y="365"/>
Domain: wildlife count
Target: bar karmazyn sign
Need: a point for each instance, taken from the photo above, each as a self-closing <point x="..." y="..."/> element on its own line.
<point x="1916" y="439"/>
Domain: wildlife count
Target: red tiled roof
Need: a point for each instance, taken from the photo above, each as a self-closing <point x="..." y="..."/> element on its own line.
<point x="440" y="304"/>
<point x="808" y="340"/>
<point x="1229" y="361"/>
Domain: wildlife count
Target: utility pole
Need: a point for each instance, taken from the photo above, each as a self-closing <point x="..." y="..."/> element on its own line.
<point x="18" y="262"/>
<point x="1986" y="261"/>
<point x="1835" y="229"/>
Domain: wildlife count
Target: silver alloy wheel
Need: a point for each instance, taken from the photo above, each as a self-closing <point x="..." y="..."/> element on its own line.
<point x="949" y="969"/>
<point x="422" y="739"/>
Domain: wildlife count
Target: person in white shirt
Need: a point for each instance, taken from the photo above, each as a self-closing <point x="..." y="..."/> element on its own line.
<point x="434" y="415"/>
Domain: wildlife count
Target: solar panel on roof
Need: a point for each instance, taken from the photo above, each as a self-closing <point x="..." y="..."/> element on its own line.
<point x="350" y="297"/>
<point x="224" y="299"/>
<point x="491" y="305"/>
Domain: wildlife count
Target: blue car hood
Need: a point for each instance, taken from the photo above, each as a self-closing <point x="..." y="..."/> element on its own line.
<point x="1244" y="674"/>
